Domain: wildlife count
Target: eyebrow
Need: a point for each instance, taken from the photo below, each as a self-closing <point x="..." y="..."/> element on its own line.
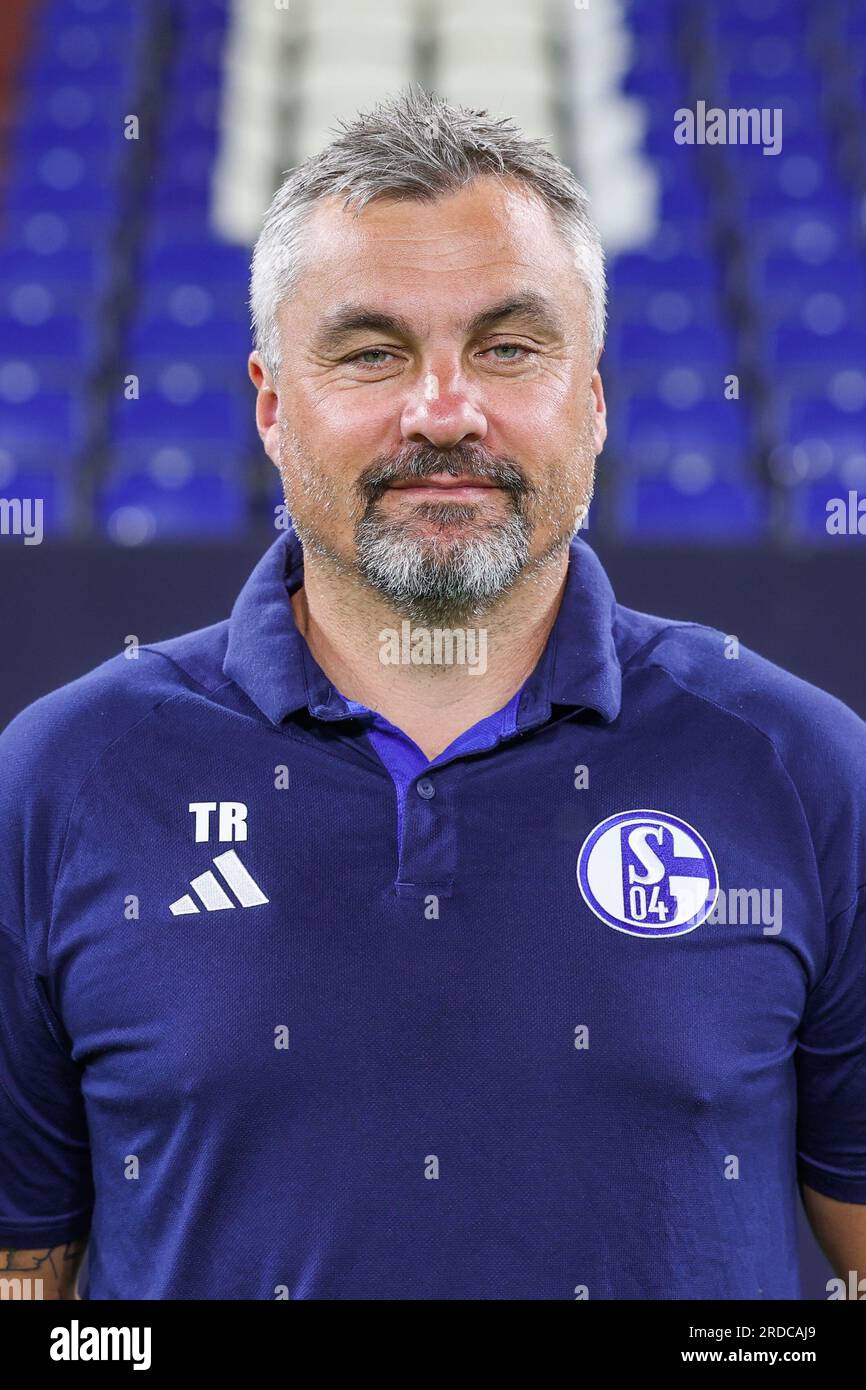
<point x="532" y="308"/>
<point x="336" y="327"/>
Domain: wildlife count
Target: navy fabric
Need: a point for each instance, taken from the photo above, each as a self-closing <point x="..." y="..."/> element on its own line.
<point x="405" y="760"/>
<point x="272" y="1047"/>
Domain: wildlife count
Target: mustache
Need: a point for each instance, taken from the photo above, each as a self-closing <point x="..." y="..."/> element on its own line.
<point x="462" y="461"/>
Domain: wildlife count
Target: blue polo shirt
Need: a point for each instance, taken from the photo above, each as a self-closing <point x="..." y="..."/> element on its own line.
<point x="572" y="1023"/>
<point x="405" y="760"/>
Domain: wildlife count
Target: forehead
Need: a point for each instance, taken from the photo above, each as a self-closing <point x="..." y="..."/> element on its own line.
<point x="487" y="237"/>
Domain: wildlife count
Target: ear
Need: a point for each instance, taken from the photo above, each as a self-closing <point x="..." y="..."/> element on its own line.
<point x="599" y="417"/>
<point x="267" y="401"/>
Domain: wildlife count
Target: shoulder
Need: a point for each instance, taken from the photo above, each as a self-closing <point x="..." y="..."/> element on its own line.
<point x="714" y="666"/>
<point x="57" y="738"/>
<point x="50" y="750"/>
<point x="818" y="741"/>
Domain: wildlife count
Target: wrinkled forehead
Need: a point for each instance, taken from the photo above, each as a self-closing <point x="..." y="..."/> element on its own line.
<point x="489" y="239"/>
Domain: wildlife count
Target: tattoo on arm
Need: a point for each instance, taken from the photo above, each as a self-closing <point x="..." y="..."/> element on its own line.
<point x="57" y="1266"/>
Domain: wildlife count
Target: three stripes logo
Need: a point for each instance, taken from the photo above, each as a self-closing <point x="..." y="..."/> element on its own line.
<point x="213" y="895"/>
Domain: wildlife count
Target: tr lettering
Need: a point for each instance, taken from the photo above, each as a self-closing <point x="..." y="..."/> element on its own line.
<point x="231" y="819"/>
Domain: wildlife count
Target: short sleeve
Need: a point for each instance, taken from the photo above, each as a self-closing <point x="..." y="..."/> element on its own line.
<point x="46" y="1188"/>
<point x="46" y="753"/>
<point x="831" y="1067"/>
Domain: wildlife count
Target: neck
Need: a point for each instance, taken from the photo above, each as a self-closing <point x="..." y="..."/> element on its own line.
<point x="366" y="650"/>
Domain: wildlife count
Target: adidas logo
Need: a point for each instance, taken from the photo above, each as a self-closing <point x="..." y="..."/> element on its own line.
<point x="212" y="893"/>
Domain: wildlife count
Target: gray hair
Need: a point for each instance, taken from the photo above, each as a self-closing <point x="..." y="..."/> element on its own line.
<point x="416" y="145"/>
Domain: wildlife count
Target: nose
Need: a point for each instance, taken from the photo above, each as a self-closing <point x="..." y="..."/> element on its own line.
<point x="441" y="412"/>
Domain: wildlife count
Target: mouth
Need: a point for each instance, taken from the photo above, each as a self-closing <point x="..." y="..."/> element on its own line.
<point x="442" y="485"/>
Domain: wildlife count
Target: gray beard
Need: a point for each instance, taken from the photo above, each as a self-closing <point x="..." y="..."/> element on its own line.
<point x="441" y="585"/>
<point x="431" y="582"/>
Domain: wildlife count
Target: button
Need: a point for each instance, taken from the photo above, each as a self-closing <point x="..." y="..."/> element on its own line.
<point x="425" y="788"/>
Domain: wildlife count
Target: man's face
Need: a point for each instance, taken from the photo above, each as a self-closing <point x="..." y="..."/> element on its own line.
<point x="437" y="414"/>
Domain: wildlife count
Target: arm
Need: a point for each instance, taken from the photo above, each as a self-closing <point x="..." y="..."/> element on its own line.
<point x="57" y="1268"/>
<point x="840" y="1229"/>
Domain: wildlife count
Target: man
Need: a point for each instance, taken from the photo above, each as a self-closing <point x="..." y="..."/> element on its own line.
<point x="369" y="944"/>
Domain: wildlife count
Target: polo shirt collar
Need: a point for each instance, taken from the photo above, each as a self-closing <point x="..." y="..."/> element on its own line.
<point x="269" y="659"/>
<point x="265" y="652"/>
<point x="585" y="667"/>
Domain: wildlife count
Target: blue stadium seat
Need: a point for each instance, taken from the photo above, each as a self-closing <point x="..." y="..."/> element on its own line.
<point x="54" y="420"/>
<point x="213" y="337"/>
<point x="658" y="267"/>
<point x="706" y="343"/>
<point x="783" y="280"/>
<point x="809" y="515"/>
<point x="657" y="510"/>
<point x="221" y="416"/>
<point x="213" y="264"/>
<point x="655" y="428"/>
<point x="135" y="509"/>
<point x="838" y="434"/>
<point x="805" y="355"/>
<point x="26" y="474"/>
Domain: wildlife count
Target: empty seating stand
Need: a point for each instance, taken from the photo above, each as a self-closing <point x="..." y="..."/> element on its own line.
<point x="735" y="361"/>
<point x="756" y="272"/>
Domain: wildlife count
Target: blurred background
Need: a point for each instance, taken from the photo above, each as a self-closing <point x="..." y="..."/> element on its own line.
<point x="140" y="143"/>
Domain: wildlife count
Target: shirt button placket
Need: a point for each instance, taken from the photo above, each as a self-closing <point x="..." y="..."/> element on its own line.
<point x="428" y="851"/>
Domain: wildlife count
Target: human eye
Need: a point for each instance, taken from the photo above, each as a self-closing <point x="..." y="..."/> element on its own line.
<point x="517" y="353"/>
<point x="357" y="359"/>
